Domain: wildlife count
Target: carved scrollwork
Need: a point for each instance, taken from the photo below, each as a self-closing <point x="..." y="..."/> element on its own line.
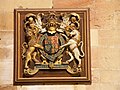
<point x="47" y="38"/>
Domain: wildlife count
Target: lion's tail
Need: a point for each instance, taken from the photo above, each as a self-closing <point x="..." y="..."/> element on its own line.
<point x="24" y="46"/>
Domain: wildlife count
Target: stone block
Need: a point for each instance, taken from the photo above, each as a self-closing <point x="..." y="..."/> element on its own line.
<point x="8" y="87"/>
<point x="110" y="76"/>
<point x="93" y="86"/>
<point x="6" y="72"/>
<point x="94" y="37"/>
<point x="104" y="17"/>
<point x="2" y="20"/>
<point x="106" y="38"/>
<point x="6" y="53"/>
<point x="34" y="3"/>
<point x="71" y="3"/>
<point x="94" y="57"/>
<point x="117" y="38"/>
<point x="117" y="19"/>
<point x="109" y="58"/>
<point x="48" y="87"/>
<point x="109" y="86"/>
<point x="95" y="72"/>
<point x="6" y="38"/>
<point x="9" y="6"/>
<point x="9" y="21"/>
<point x="78" y="87"/>
<point x="6" y="45"/>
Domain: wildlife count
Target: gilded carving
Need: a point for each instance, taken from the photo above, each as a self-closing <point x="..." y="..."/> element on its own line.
<point x="48" y="38"/>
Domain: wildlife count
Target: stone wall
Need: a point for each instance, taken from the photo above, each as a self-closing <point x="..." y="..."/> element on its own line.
<point x="105" y="42"/>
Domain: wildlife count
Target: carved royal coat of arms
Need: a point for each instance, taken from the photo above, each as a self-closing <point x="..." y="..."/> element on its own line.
<point x="53" y="40"/>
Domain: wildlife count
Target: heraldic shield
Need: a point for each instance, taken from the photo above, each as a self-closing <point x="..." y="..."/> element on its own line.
<point x="52" y="44"/>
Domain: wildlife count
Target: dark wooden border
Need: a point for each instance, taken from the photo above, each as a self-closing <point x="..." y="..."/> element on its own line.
<point x="49" y="80"/>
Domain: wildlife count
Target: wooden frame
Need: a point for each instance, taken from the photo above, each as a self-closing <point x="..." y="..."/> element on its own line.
<point x="20" y="79"/>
